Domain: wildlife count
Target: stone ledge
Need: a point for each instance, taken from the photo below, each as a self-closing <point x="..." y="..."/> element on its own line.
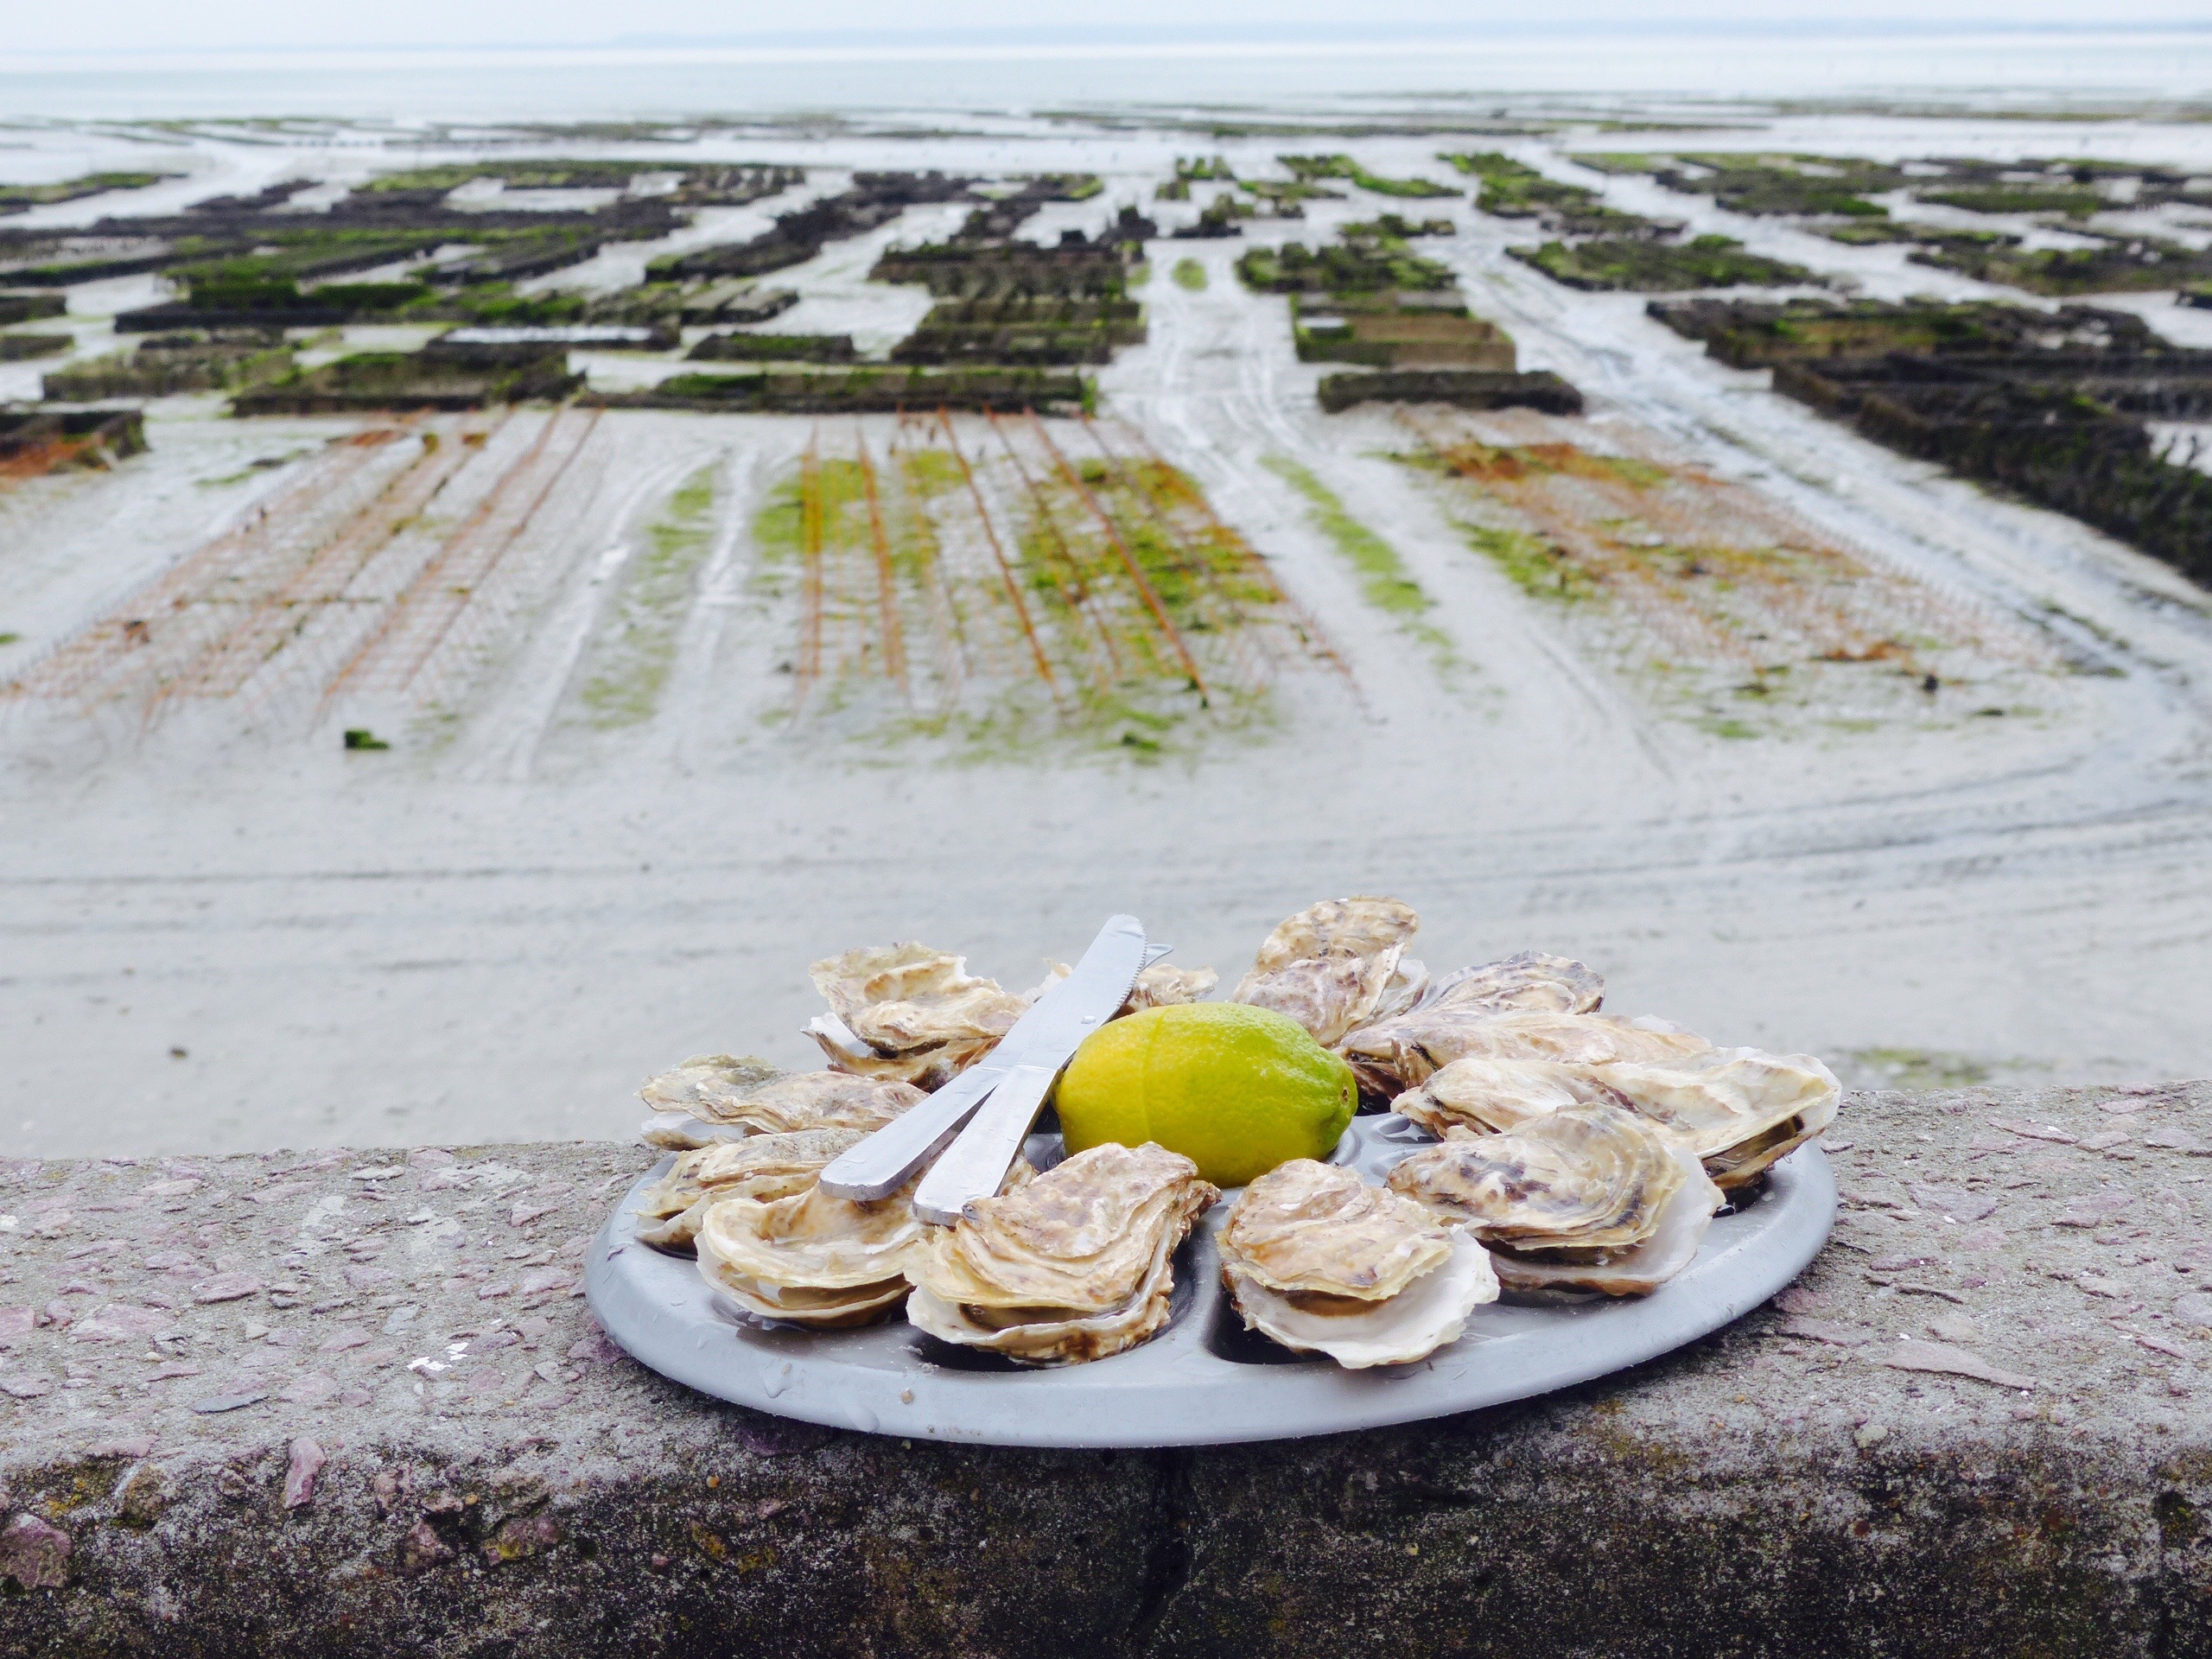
<point x="350" y="1403"/>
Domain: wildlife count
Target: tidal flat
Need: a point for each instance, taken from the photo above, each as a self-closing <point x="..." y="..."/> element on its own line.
<point x="1042" y="591"/>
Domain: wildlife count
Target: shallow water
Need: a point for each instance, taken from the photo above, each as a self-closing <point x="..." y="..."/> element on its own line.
<point x="2025" y="67"/>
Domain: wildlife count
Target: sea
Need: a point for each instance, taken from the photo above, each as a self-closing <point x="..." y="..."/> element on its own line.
<point x="2030" y="71"/>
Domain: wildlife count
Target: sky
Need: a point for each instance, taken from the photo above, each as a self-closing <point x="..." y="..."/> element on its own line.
<point x="125" y="27"/>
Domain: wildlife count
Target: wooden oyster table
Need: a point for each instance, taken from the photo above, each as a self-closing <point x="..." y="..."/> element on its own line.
<point x="1205" y="1380"/>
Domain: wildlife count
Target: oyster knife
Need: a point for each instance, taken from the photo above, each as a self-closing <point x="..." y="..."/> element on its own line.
<point x="1043" y="1038"/>
<point x="974" y="1165"/>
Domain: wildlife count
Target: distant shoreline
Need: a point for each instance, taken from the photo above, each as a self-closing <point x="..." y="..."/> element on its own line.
<point x="1383" y="36"/>
<point x="2065" y="74"/>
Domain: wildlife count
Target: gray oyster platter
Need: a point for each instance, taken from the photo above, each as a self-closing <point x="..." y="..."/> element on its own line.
<point x="1205" y="1380"/>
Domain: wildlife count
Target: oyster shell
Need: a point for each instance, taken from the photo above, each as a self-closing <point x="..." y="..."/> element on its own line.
<point x="715" y="1098"/>
<point x="1320" y="1261"/>
<point x="1530" y="980"/>
<point x="681" y="1132"/>
<point x="1394" y="1055"/>
<point x="1073" y="1265"/>
<point x="1391" y="1054"/>
<point x="909" y="1013"/>
<point x="700" y="1083"/>
<point x="793" y="1251"/>
<point x="1404" y="991"/>
<point x="677" y="1096"/>
<point x="1335" y="927"/>
<point x="1334" y="964"/>
<point x="1578" y="1039"/>
<point x="759" y="1167"/>
<point x="1592" y="1198"/>
<point x="1482" y="1095"/>
<point x="1155" y="988"/>
<point x="1738" y="1109"/>
<point x="1165" y="987"/>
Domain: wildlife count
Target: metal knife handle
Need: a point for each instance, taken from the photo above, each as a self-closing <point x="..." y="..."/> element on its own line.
<point x="887" y="1160"/>
<point x="1051" y="1031"/>
<point x="974" y="1165"/>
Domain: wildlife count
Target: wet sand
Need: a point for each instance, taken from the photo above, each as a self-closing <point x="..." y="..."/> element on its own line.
<point x="496" y="929"/>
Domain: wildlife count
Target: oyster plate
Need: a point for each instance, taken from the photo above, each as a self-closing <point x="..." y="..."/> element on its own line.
<point x="1205" y="1380"/>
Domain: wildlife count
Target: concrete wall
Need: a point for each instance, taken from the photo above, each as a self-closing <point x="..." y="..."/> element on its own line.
<point x="351" y="1403"/>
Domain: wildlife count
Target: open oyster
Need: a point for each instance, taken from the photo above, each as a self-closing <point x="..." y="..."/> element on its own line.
<point x="1738" y="1109"/>
<point x="1075" y="1264"/>
<point x="1394" y="1055"/>
<point x="1338" y="965"/>
<point x="789" y="1250"/>
<point x="1593" y="1198"/>
<point x="759" y="1167"/>
<point x="908" y="1014"/>
<point x="1322" y="1262"/>
<point x="1482" y="1095"/>
<point x="1392" y="1052"/>
<point x="715" y="1098"/>
<point x="686" y="1097"/>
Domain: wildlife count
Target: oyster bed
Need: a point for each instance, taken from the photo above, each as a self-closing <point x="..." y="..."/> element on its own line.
<point x="1204" y="1379"/>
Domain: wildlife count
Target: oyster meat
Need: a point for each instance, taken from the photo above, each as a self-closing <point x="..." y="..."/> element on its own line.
<point x="1590" y="1198"/>
<point x="1322" y="1262"/>
<point x="908" y="1014"/>
<point x="1075" y="1264"/>
<point x="715" y="1098"/>
<point x="759" y="1167"/>
<point x="789" y="1250"/>
<point x="1338" y="965"/>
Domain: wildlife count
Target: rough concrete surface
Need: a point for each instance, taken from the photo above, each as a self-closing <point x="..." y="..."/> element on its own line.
<point x="351" y="1402"/>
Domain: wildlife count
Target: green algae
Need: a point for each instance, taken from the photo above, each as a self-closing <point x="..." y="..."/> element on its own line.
<point x="1920" y="1068"/>
<point x="1384" y="581"/>
<point x="1531" y="563"/>
<point x="633" y="649"/>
